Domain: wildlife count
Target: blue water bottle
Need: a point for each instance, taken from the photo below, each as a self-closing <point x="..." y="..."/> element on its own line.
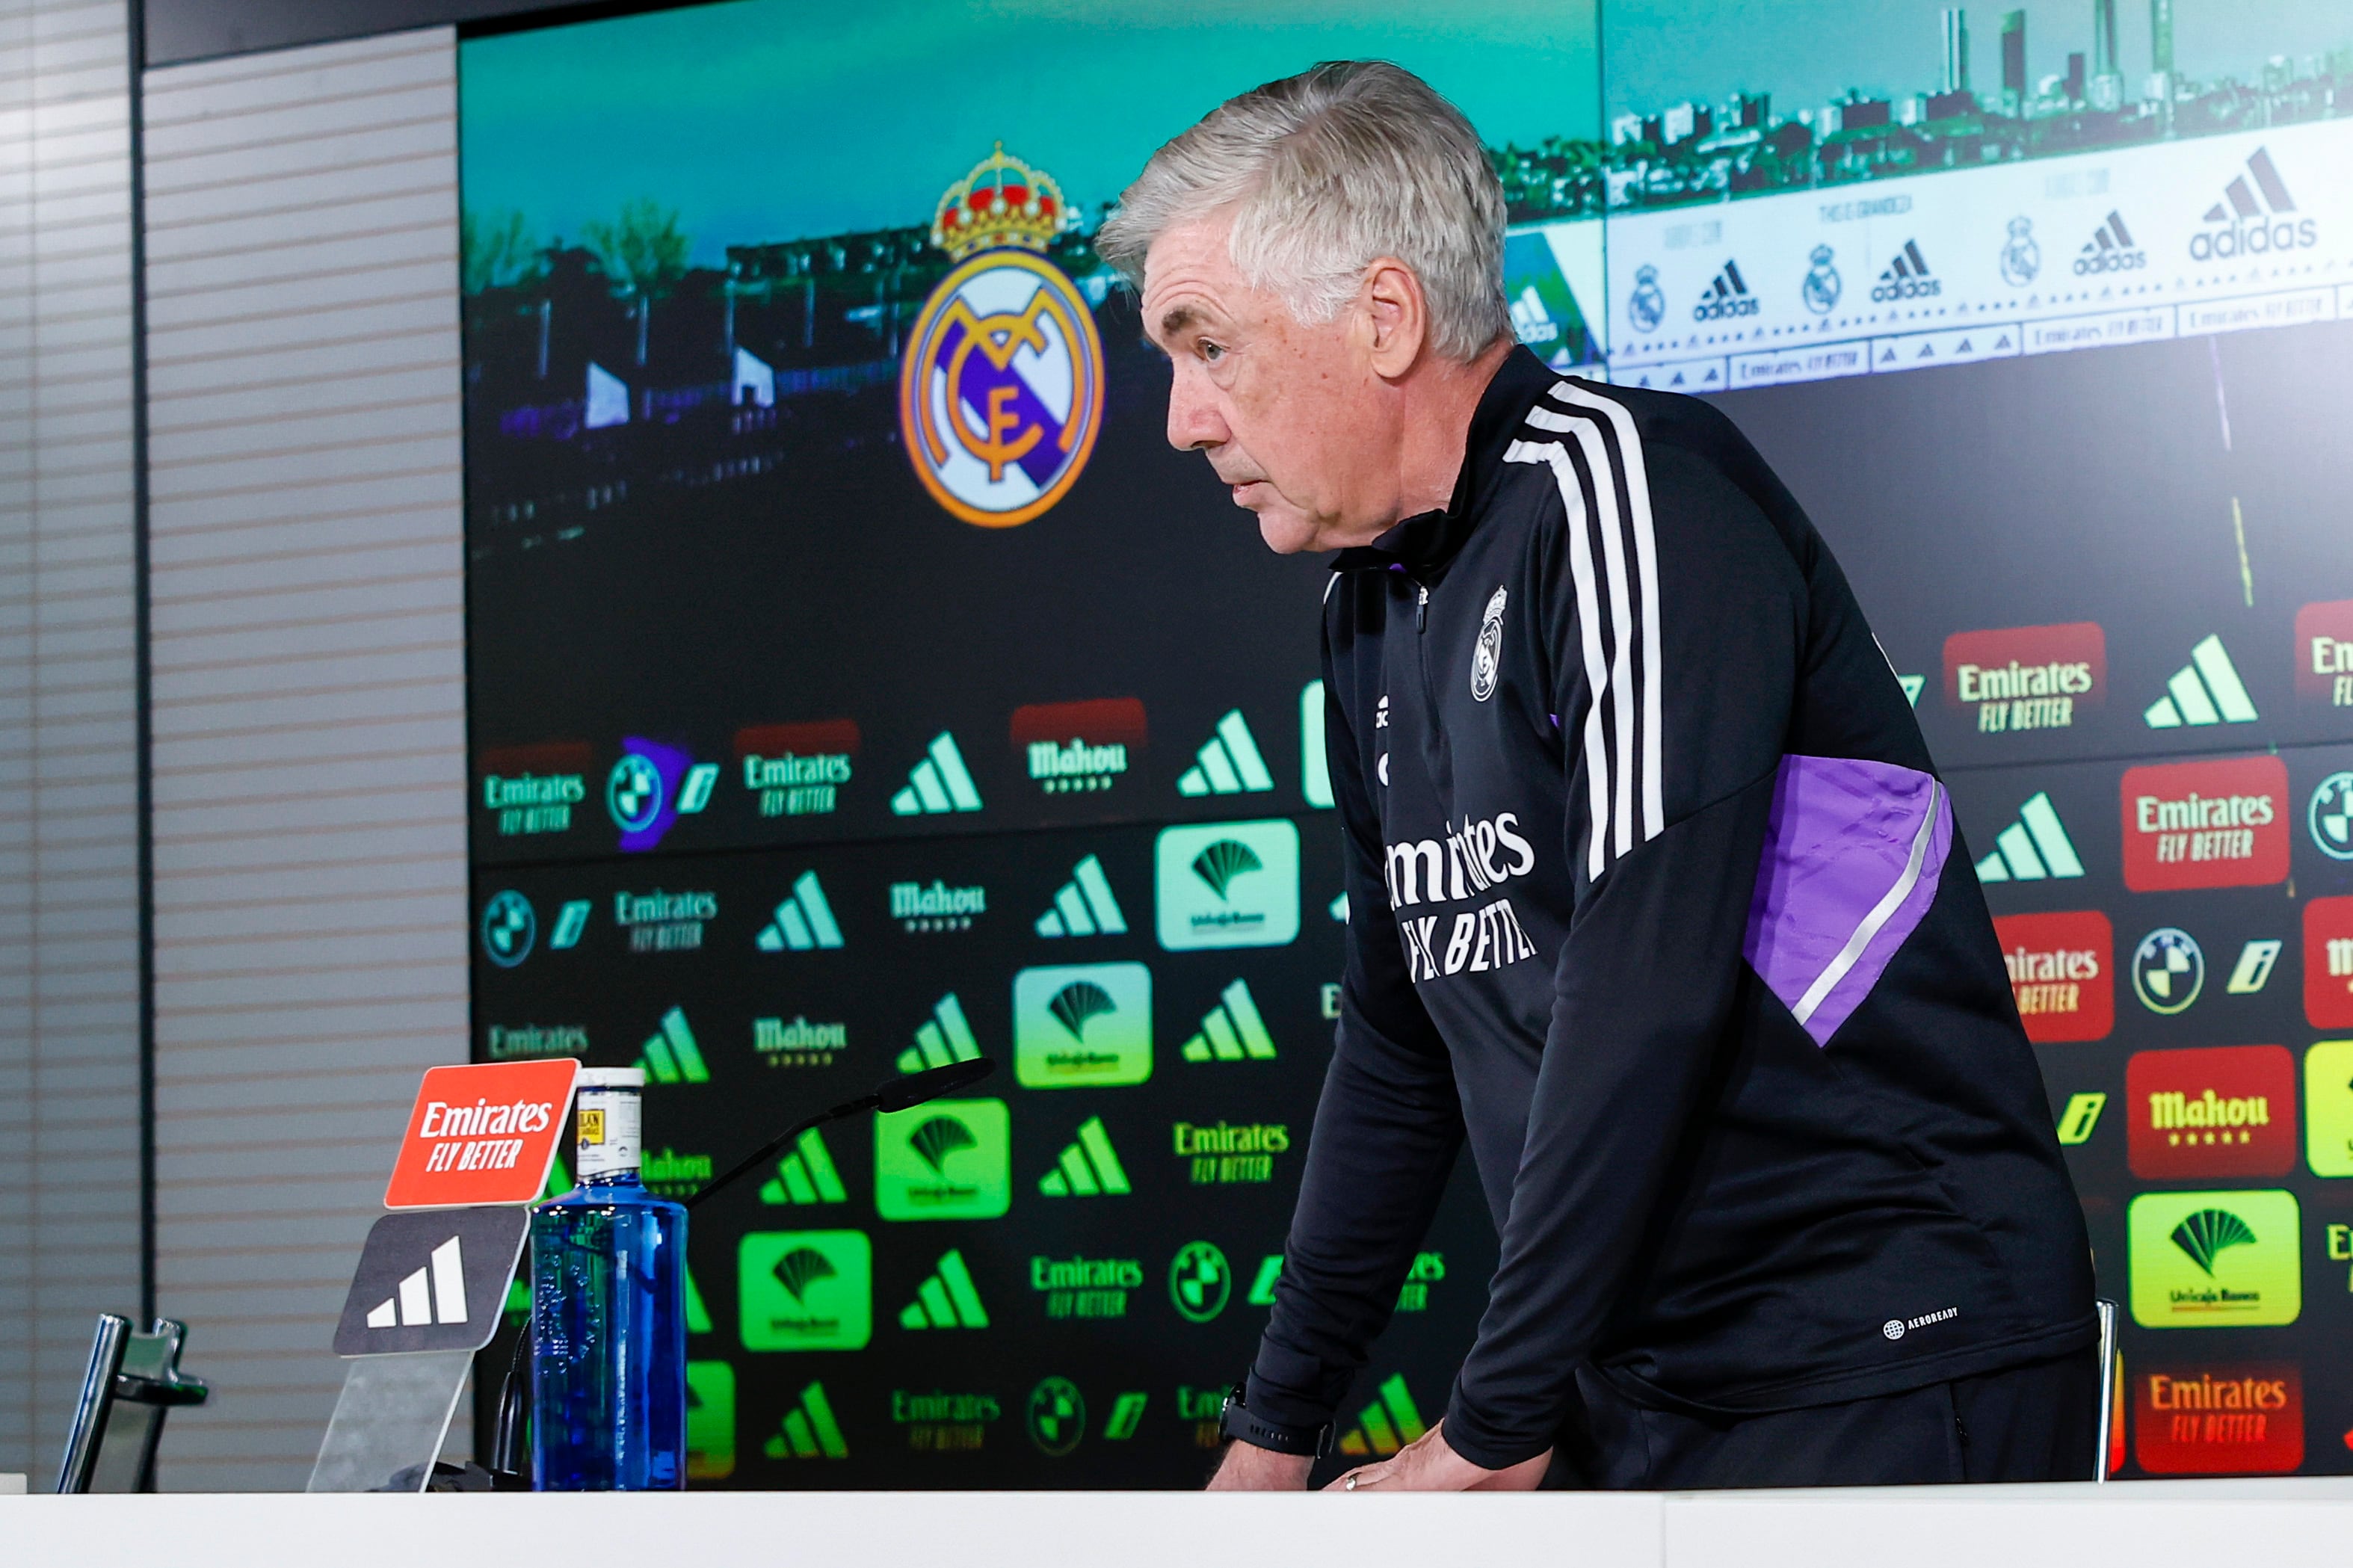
<point x="608" y="1312"/>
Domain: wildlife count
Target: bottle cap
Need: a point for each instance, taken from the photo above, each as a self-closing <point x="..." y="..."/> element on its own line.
<point x="611" y="1078"/>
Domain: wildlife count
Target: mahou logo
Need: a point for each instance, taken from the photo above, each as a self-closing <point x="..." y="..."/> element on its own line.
<point x="2219" y="1420"/>
<point x="1075" y="747"/>
<point x="2328" y="964"/>
<point x="2323" y="653"/>
<point x="2216" y="824"/>
<point x="2027" y="678"/>
<point x="2221" y="1110"/>
<point x="2063" y="972"/>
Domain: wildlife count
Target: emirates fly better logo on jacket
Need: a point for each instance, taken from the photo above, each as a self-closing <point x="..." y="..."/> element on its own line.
<point x="1469" y="863"/>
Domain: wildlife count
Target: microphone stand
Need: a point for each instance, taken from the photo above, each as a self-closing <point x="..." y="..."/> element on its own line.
<point x="902" y="1093"/>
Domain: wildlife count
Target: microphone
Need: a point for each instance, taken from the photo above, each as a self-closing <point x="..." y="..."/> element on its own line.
<point x="901" y="1093"/>
<point x="909" y="1090"/>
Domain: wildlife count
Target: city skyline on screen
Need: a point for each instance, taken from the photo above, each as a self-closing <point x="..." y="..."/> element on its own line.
<point x="1657" y="52"/>
<point x="764" y="119"/>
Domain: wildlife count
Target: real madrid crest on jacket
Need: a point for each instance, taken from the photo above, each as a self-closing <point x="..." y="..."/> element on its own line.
<point x="1001" y="392"/>
<point x="1658" y="902"/>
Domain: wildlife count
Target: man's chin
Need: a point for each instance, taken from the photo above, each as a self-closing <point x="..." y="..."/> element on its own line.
<point x="1286" y="533"/>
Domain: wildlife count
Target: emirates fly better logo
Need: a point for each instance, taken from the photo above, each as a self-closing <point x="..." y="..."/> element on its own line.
<point x="2215" y="824"/>
<point x="2062" y="973"/>
<point x="2324" y="654"/>
<point x="2027" y="678"/>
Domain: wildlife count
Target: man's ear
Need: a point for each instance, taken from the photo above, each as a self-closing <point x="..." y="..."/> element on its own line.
<point x="1397" y="316"/>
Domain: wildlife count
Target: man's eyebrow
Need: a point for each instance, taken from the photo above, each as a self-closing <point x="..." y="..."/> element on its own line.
<point x="1178" y="318"/>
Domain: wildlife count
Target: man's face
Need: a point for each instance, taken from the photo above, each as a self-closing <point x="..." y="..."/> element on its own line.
<point x="1292" y="417"/>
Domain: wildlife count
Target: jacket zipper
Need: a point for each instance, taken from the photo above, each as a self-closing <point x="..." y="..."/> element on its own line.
<point x="1422" y="658"/>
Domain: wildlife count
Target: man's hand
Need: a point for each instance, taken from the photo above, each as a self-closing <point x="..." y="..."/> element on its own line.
<point x="1427" y="1465"/>
<point x="1250" y="1468"/>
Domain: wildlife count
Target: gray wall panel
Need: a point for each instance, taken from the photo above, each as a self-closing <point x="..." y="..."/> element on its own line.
<point x="307" y="600"/>
<point x="69" y="845"/>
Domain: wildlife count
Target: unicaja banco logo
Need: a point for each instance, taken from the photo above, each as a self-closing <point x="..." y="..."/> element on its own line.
<point x="2215" y="1259"/>
<point x="1001" y="393"/>
<point x="805" y="1290"/>
<point x="1081" y="1023"/>
<point x="1227" y="884"/>
<point x="948" y="1160"/>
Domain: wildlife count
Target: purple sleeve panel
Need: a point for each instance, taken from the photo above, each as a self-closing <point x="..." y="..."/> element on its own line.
<point x="1853" y="855"/>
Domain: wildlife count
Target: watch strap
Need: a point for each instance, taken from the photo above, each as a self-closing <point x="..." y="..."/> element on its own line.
<point x="1236" y="1422"/>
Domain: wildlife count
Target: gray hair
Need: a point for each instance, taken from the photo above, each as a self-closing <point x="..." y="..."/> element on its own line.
<point x="1326" y="172"/>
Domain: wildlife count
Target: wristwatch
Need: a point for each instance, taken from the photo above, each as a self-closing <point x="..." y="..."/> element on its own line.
<point x="1236" y="1422"/>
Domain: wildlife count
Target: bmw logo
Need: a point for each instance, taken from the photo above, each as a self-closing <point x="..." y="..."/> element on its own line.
<point x="2167" y="970"/>
<point x="508" y="927"/>
<point x="633" y="792"/>
<point x="2330" y="817"/>
<point x="1057" y="1417"/>
<point x="1199" y="1281"/>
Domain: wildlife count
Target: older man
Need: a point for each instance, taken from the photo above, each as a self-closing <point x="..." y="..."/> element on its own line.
<point x="1657" y="897"/>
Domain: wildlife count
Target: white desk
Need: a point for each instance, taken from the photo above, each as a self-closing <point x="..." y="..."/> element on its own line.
<point x="2255" y="1524"/>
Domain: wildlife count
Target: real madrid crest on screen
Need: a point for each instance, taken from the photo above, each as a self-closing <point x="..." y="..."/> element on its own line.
<point x="1001" y="392"/>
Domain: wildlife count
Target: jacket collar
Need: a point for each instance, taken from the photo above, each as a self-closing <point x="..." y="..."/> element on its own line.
<point x="1432" y="538"/>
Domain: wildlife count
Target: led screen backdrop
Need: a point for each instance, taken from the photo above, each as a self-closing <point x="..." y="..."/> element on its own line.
<point x="860" y="682"/>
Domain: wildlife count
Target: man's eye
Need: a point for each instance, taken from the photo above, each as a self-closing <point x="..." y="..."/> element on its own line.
<point x="1213" y="352"/>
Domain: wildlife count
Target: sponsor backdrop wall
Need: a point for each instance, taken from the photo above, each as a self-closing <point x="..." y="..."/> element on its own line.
<point x="858" y="681"/>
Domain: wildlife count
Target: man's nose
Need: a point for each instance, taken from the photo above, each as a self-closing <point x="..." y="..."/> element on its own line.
<point x="1193" y="418"/>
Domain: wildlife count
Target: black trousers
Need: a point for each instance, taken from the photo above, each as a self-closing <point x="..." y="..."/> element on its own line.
<point x="2034" y="1422"/>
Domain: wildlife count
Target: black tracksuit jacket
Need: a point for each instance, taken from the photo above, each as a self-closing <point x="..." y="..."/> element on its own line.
<point x="1655" y="897"/>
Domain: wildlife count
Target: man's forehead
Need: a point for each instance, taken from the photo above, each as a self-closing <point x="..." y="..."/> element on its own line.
<point x="1189" y="278"/>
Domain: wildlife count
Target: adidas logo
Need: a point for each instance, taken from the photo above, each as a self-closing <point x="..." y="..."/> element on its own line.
<point x="944" y="1037"/>
<point x="1085" y="906"/>
<point x="1228" y="763"/>
<point x="2248" y="220"/>
<point x="1387" y="1424"/>
<point x="2206" y="690"/>
<point x="672" y="1055"/>
<point x="1262" y="1290"/>
<point x="2111" y="248"/>
<point x="1338" y="909"/>
<point x="803" y="921"/>
<point x="937" y="783"/>
<point x="946" y="1299"/>
<point x="808" y="1432"/>
<point x="434" y="1294"/>
<point x="2031" y="848"/>
<point x="698" y="1316"/>
<point x="805" y="1175"/>
<point x="1727" y="297"/>
<point x="1088" y="1168"/>
<point x="1232" y="1031"/>
<point x="1906" y="277"/>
